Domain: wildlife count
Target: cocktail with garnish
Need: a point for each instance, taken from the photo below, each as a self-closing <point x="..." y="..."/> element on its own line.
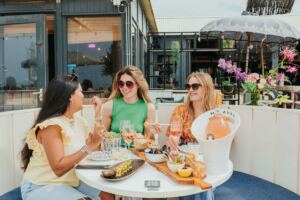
<point x="176" y="132"/>
<point x="127" y="131"/>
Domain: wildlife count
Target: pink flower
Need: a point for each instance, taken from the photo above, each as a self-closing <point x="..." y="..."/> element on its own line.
<point x="222" y="63"/>
<point x="230" y="68"/>
<point x="253" y="77"/>
<point x="227" y="66"/>
<point x="289" y="54"/>
<point x="270" y="80"/>
<point x="280" y="77"/>
<point x="291" y="69"/>
<point x="240" y="75"/>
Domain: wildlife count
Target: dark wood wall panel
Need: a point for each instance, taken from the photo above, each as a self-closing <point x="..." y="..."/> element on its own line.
<point x="88" y="7"/>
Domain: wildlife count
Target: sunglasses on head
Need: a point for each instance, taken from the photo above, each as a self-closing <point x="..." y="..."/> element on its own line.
<point x="129" y="84"/>
<point x="71" y="77"/>
<point x="194" y="86"/>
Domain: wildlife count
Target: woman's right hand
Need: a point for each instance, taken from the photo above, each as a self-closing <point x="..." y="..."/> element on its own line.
<point x="173" y="142"/>
<point x="97" y="103"/>
<point x="95" y="139"/>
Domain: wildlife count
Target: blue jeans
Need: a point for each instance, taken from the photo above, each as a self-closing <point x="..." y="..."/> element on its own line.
<point x="57" y="191"/>
<point x="209" y="195"/>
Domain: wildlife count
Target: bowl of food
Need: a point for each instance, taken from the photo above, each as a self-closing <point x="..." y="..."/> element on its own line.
<point x="140" y="142"/>
<point x="173" y="166"/>
<point x="155" y="155"/>
<point x="175" y="161"/>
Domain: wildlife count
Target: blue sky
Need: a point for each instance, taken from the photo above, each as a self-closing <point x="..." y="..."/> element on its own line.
<point x="219" y="8"/>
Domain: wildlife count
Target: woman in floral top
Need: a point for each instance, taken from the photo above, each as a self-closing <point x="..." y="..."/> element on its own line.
<point x="200" y="99"/>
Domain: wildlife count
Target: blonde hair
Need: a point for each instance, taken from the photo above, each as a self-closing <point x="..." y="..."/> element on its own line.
<point x="208" y="98"/>
<point x="138" y="77"/>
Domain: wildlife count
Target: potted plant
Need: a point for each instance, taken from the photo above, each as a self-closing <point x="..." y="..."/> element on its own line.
<point x="156" y="70"/>
<point x="281" y="100"/>
<point x="227" y="87"/>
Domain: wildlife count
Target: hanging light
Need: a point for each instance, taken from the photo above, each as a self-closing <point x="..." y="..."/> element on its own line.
<point x="270" y="7"/>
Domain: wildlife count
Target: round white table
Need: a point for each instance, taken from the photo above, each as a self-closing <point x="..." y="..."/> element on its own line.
<point x="134" y="186"/>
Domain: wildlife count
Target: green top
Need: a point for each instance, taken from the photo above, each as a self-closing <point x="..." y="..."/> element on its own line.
<point x="136" y="113"/>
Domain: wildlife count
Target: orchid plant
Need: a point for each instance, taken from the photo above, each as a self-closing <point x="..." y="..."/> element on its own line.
<point x="255" y="83"/>
<point x="280" y="99"/>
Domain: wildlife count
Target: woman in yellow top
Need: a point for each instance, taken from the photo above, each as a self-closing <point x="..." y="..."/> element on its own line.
<point x="58" y="141"/>
<point x="200" y="99"/>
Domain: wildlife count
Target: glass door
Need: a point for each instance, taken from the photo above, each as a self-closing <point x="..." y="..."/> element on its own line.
<point x="23" y="68"/>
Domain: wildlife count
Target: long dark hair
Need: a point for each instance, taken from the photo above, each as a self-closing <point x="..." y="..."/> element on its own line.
<point x="55" y="103"/>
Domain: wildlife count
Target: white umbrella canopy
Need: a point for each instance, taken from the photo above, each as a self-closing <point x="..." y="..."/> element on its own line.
<point x="236" y="28"/>
<point x="252" y="29"/>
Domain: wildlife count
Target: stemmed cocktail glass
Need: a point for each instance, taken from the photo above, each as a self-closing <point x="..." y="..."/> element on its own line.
<point x="127" y="131"/>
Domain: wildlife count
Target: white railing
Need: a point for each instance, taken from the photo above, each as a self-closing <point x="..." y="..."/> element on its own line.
<point x="267" y="143"/>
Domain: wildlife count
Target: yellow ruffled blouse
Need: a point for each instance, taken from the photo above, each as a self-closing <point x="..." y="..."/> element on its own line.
<point x="74" y="133"/>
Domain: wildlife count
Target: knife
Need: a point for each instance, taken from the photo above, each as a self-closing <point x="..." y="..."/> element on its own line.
<point x="93" y="166"/>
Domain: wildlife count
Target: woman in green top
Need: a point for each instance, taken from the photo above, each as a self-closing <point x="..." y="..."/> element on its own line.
<point x="129" y="100"/>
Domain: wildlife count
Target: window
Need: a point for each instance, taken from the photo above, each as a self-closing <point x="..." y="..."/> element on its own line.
<point x="94" y="50"/>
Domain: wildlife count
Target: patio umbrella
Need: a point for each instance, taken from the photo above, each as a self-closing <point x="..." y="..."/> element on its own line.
<point x="252" y="28"/>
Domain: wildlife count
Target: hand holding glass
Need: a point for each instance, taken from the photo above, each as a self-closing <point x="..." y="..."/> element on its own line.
<point x="176" y="131"/>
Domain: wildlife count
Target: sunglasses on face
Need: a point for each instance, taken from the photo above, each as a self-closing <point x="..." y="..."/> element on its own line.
<point x="129" y="84"/>
<point x="194" y="86"/>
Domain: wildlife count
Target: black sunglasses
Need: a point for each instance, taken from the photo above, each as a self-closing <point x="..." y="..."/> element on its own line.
<point x="129" y="84"/>
<point x="194" y="86"/>
<point x="71" y="77"/>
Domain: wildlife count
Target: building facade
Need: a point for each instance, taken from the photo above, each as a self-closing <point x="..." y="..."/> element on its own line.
<point x="43" y="39"/>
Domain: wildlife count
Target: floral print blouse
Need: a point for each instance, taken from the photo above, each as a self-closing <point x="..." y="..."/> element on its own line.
<point x="181" y="112"/>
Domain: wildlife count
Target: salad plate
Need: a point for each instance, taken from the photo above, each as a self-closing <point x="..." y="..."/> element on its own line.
<point x="122" y="170"/>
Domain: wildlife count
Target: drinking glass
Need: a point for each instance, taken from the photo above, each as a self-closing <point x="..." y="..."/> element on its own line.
<point x="176" y="129"/>
<point x="127" y="132"/>
<point x="108" y="145"/>
<point x="116" y="141"/>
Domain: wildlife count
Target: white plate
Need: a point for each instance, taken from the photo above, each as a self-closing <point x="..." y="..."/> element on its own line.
<point x="99" y="156"/>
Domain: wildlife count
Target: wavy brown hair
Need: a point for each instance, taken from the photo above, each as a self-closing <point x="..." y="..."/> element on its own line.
<point x="138" y="77"/>
<point x="208" y="99"/>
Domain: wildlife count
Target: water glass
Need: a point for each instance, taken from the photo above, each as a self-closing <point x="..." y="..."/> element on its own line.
<point x="108" y="146"/>
<point x="116" y="141"/>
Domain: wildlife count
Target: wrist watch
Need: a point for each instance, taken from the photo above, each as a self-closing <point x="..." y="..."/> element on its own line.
<point x="84" y="149"/>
